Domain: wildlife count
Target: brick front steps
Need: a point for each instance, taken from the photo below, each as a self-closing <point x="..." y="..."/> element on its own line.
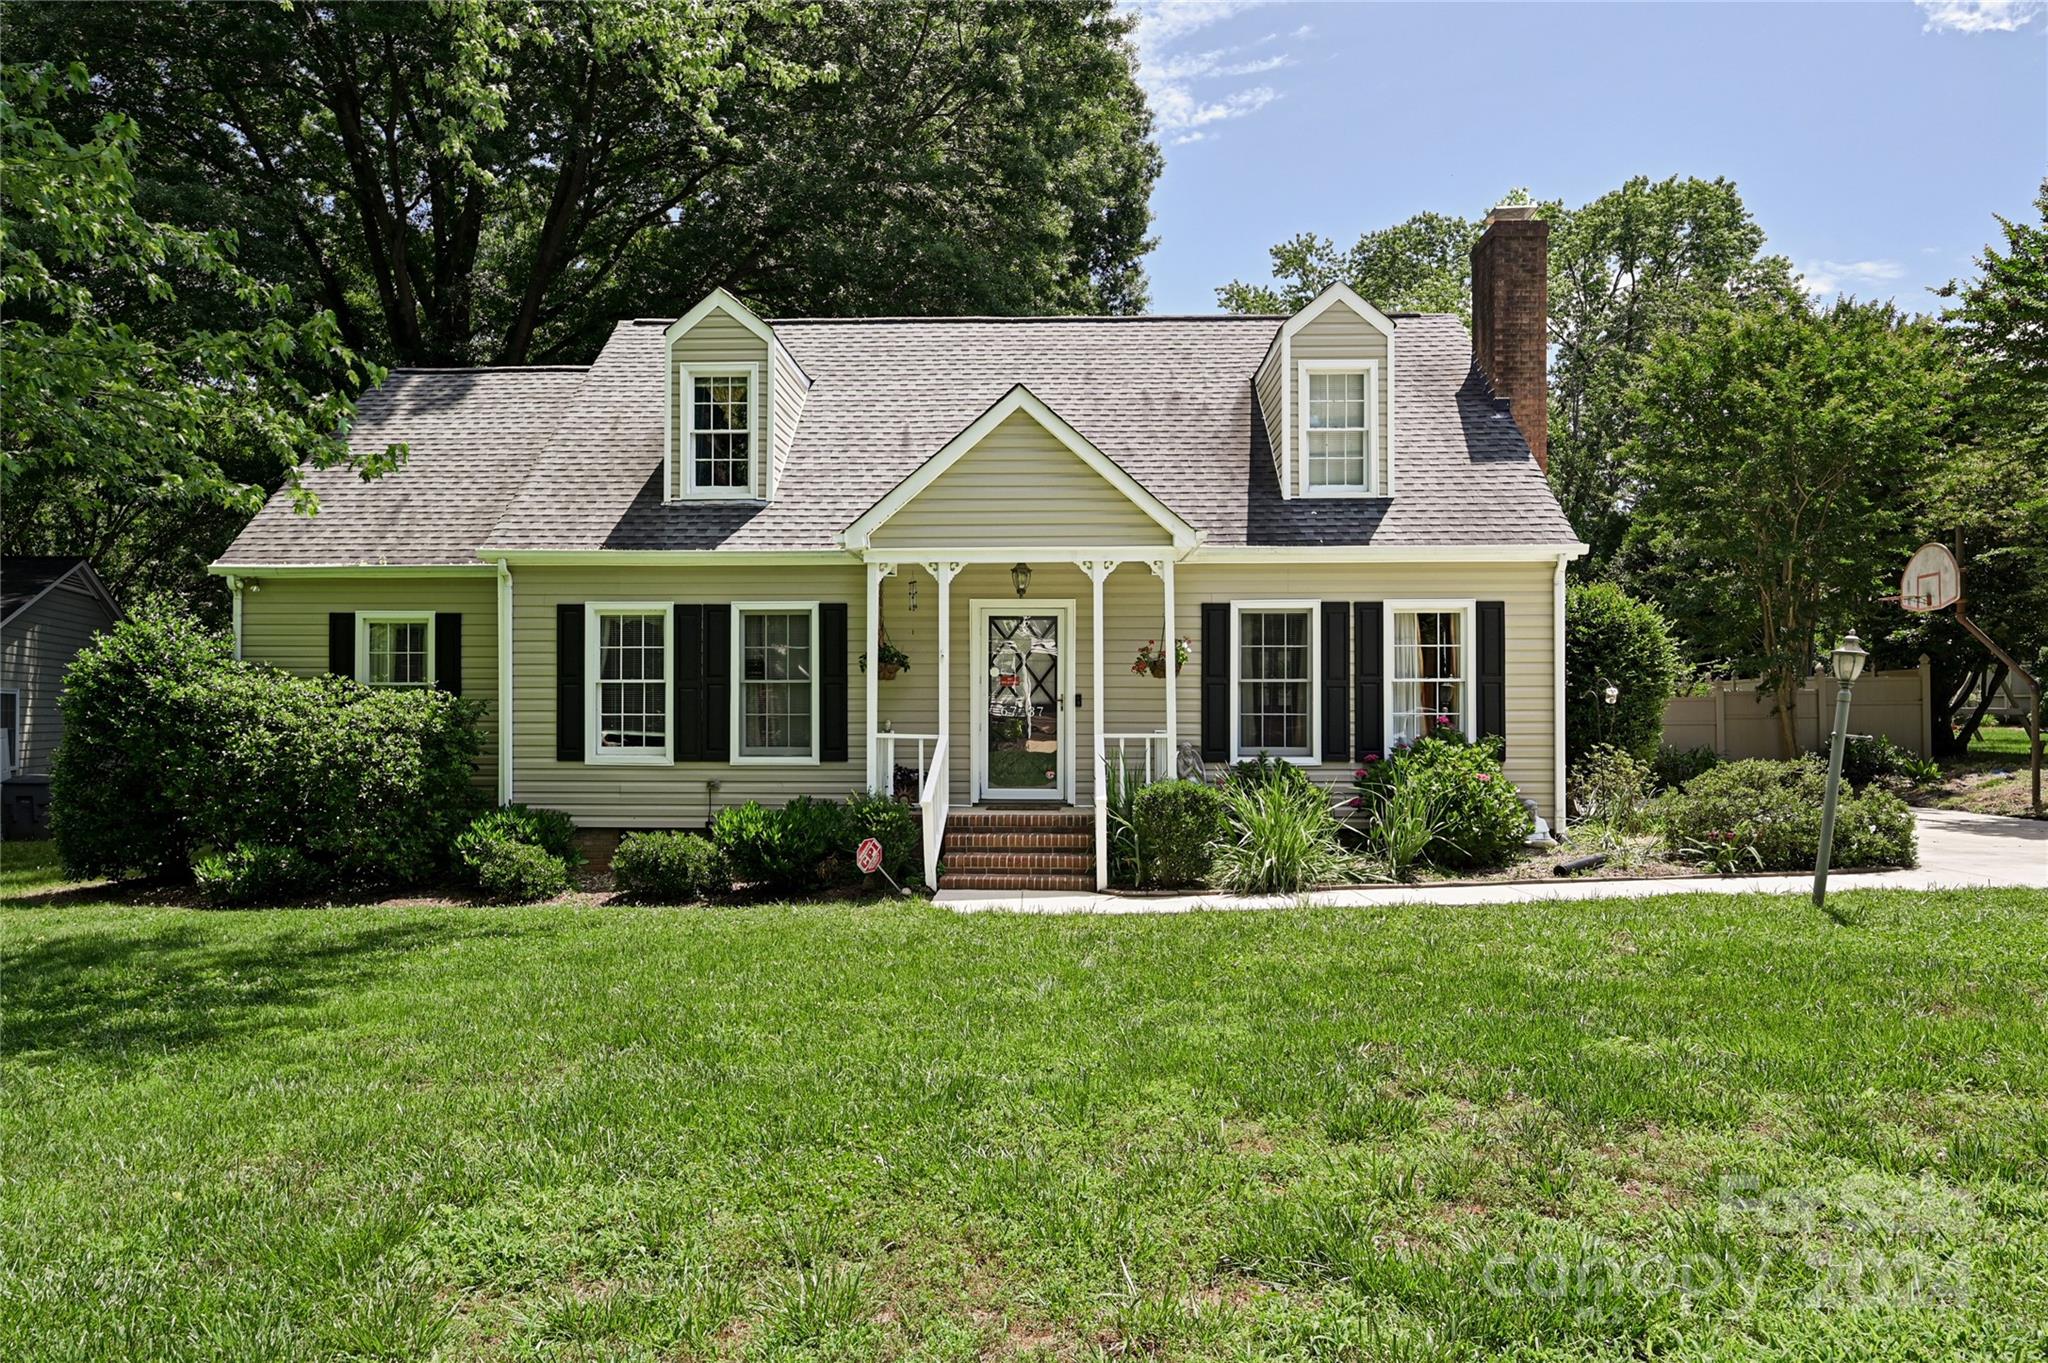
<point x="1005" y="849"/>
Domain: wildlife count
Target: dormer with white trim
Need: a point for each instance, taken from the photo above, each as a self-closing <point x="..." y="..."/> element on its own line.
<point x="734" y="398"/>
<point x="1326" y="393"/>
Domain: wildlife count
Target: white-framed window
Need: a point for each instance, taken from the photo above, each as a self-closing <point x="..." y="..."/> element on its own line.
<point x="1275" y="686"/>
<point x="395" y="648"/>
<point x="775" y="675"/>
<point x="629" y="669"/>
<point x="1340" y="427"/>
<point x="721" y="425"/>
<point x="1429" y="668"/>
<point x="10" y="733"/>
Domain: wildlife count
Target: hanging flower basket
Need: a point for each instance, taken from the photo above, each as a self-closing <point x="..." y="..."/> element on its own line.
<point x="1152" y="658"/>
<point x="891" y="660"/>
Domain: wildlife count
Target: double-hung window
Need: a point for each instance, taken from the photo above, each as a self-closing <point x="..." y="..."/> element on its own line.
<point x="395" y="650"/>
<point x="629" y="664"/>
<point x="1428" y="672"/>
<point x="777" y="695"/>
<point x="1273" y="691"/>
<point x="1339" y="411"/>
<point x="719" y="425"/>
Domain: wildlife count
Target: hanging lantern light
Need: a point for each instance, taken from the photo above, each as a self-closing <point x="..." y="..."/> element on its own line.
<point x="1020" y="578"/>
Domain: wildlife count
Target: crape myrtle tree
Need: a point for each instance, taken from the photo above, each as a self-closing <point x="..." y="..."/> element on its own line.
<point x="1648" y="258"/>
<point x="1777" y="458"/>
<point x="136" y="423"/>
<point x="499" y="183"/>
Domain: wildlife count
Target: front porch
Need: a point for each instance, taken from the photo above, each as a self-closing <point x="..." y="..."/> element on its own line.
<point x="1019" y="700"/>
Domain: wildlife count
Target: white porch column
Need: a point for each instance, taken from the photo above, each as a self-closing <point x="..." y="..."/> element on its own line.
<point x="1098" y="570"/>
<point x="876" y="780"/>
<point x="1164" y="568"/>
<point x="945" y="572"/>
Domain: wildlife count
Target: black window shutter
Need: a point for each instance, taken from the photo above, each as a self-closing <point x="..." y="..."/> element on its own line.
<point x="832" y="681"/>
<point x="448" y="651"/>
<point x="687" y="710"/>
<point x="1336" y="681"/>
<point x="1216" y="646"/>
<point x="1493" y="669"/>
<point x="1367" y="684"/>
<point x="717" y="718"/>
<point x="568" y="681"/>
<point x="341" y="643"/>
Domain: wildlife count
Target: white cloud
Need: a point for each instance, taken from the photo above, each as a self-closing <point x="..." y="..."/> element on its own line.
<point x="1824" y="277"/>
<point x="1171" y="75"/>
<point x="1980" y="16"/>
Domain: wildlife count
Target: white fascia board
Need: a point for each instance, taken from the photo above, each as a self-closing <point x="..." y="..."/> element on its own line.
<point x="718" y="300"/>
<point x="671" y="558"/>
<point x="1366" y="553"/>
<point x="1018" y="399"/>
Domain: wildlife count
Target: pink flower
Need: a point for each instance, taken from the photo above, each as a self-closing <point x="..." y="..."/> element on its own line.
<point x="1356" y="774"/>
<point x="1355" y="801"/>
<point x="1370" y="758"/>
<point x="1485" y="775"/>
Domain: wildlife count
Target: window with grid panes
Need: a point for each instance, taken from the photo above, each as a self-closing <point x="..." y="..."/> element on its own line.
<point x="775" y="684"/>
<point x="1428" y="677"/>
<point x="1338" y="425"/>
<point x="395" y="652"/>
<point x="632" y="680"/>
<point x="1273" y="682"/>
<point x="721" y="431"/>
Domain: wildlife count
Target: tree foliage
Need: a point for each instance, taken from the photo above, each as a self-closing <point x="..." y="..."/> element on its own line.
<point x="124" y="414"/>
<point x="497" y="184"/>
<point x="1775" y="455"/>
<point x="1612" y="639"/>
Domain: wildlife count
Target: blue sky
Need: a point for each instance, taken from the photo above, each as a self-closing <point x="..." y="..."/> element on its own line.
<point x="1872" y="142"/>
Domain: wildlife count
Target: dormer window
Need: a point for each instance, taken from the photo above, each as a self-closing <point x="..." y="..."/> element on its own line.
<point x="721" y="433"/>
<point x="1339" y="426"/>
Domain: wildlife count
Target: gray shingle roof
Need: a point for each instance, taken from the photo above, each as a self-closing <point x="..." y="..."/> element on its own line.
<point x="1170" y="399"/>
<point x="473" y="437"/>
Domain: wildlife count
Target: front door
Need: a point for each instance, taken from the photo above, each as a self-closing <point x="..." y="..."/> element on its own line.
<point x="1021" y="741"/>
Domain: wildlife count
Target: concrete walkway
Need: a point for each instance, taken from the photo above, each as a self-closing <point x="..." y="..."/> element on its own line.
<point x="1957" y="851"/>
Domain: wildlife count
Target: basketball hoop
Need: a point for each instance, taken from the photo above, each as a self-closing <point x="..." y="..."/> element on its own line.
<point x="1932" y="581"/>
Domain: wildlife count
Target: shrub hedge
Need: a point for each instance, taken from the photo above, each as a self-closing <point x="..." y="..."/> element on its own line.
<point x="508" y="870"/>
<point x="893" y="824"/>
<point x="670" y="868"/>
<point x="1611" y="638"/>
<point x="784" y="848"/>
<point x="1178" y="824"/>
<point x="1481" y="817"/>
<point x="173" y="748"/>
<point x="1760" y="815"/>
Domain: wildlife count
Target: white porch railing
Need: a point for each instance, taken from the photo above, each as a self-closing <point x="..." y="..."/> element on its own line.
<point x="934" y="798"/>
<point x="887" y="741"/>
<point x="1150" y="762"/>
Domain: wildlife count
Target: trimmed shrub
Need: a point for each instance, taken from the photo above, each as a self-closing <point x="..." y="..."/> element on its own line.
<point x="1613" y="639"/>
<point x="548" y="829"/>
<point x="1283" y="837"/>
<point x="511" y="871"/>
<point x="893" y="824"/>
<point x="1673" y="767"/>
<point x="784" y="848"/>
<point x="669" y="868"/>
<point x="1611" y="787"/>
<point x="1760" y="815"/>
<point x="173" y="746"/>
<point x="1263" y="771"/>
<point x="1481" y="817"/>
<point x="257" y="873"/>
<point x="1866" y="757"/>
<point x="1178" y="823"/>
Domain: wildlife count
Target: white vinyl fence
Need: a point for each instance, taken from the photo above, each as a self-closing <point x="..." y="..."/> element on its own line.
<point x="1737" y="720"/>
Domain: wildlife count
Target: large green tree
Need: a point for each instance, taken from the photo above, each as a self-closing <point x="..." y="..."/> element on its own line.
<point x="1775" y="456"/>
<point x="497" y="184"/>
<point x="1645" y="259"/>
<point x="128" y="428"/>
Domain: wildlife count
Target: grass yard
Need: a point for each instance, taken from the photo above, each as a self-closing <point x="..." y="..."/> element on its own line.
<point x="851" y="1132"/>
<point x="2002" y="741"/>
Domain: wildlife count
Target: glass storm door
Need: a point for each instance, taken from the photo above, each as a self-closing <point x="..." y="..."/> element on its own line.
<point x="1021" y="758"/>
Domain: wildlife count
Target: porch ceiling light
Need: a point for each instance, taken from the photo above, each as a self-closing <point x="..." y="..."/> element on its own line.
<point x="1848" y="658"/>
<point x="1020" y="578"/>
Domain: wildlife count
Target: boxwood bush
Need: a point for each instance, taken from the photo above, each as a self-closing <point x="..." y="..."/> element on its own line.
<point x="893" y="824"/>
<point x="669" y="868"/>
<point x="252" y="873"/>
<point x="1613" y="639"/>
<point x="784" y="849"/>
<point x="1178" y="824"/>
<point x="1760" y="815"/>
<point x="1481" y="819"/>
<point x="174" y="749"/>
<point x="508" y="870"/>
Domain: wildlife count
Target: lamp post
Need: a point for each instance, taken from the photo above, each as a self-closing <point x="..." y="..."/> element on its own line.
<point x="1846" y="662"/>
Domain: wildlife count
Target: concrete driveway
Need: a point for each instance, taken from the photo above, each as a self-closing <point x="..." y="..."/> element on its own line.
<point x="1957" y="851"/>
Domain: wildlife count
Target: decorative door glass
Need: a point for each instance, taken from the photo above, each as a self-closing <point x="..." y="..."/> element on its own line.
<point x="1023" y="659"/>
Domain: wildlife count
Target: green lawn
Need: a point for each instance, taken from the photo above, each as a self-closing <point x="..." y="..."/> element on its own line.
<point x="2002" y="740"/>
<point x="851" y="1132"/>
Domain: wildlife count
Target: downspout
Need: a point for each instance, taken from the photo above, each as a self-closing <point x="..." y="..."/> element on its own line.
<point x="504" y="682"/>
<point x="235" y="597"/>
<point x="1557" y="694"/>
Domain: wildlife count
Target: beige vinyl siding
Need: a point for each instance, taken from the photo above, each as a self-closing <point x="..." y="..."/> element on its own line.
<point x="1336" y="333"/>
<point x="787" y="392"/>
<point x="1270" y="385"/>
<point x="284" y="624"/>
<point x="668" y="795"/>
<point x="1019" y="486"/>
<point x="720" y="338"/>
<point x="38" y="644"/>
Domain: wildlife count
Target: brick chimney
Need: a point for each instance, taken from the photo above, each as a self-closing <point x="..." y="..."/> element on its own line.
<point x="1511" y="318"/>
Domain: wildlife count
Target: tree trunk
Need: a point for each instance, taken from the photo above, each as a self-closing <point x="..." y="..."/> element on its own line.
<point x="1788" y="717"/>
<point x="1969" y="729"/>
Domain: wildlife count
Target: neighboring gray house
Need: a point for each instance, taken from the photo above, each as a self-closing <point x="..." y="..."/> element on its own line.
<point x="50" y="608"/>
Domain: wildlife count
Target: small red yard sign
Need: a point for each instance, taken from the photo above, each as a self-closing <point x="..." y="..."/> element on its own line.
<point x="869" y="856"/>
